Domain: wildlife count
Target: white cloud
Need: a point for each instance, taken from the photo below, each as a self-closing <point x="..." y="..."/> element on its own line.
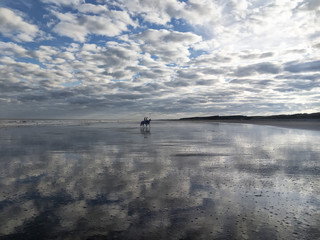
<point x="154" y="11"/>
<point x="91" y="8"/>
<point x="12" y="49"/>
<point x="169" y="46"/>
<point x="201" y="12"/>
<point x="162" y="11"/>
<point x="71" y="30"/>
<point x="79" y="26"/>
<point x="261" y="25"/>
<point x="64" y="2"/>
<point x="45" y="54"/>
<point x="13" y="26"/>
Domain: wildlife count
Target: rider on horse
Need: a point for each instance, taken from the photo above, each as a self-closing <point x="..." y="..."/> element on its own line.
<point x="145" y="122"/>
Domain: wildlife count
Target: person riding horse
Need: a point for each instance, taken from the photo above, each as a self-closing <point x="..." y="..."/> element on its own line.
<point x="145" y="122"/>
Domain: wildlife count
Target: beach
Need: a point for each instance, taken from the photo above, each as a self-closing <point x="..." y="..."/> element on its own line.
<point x="310" y="124"/>
<point x="180" y="180"/>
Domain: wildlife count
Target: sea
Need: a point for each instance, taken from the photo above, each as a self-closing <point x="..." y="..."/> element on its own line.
<point x="95" y="179"/>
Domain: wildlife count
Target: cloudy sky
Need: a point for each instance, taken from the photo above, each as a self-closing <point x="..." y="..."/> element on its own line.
<point x="166" y="58"/>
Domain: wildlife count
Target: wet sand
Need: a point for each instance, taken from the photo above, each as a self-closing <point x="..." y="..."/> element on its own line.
<point x="180" y="180"/>
<point x="298" y="124"/>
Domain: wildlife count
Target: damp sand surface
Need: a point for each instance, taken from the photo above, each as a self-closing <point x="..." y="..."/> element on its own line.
<point x="180" y="180"/>
<point x="307" y="124"/>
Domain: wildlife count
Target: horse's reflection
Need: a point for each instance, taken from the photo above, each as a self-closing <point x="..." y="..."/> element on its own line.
<point x="145" y="132"/>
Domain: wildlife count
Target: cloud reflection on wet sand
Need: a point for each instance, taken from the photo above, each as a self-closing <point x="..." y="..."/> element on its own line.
<point x="180" y="180"/>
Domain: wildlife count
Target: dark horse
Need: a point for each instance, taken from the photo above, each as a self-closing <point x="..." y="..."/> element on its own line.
<point x="145" y="123"/>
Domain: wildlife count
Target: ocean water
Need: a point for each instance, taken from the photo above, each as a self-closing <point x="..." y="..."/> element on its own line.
<point x="180" y="180"/>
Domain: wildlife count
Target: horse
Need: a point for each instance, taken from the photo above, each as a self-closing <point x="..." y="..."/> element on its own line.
<point x="145" y="124"/>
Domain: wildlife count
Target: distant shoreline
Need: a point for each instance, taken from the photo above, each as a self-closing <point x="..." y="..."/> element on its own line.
<point x="298" y="121"/>
<point x="298" y="124"/>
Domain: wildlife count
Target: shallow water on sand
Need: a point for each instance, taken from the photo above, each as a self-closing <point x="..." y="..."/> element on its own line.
<point x="181" y="180"/>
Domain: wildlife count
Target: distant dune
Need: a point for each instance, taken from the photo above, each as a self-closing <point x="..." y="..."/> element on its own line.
<point x="299" y="116"/>
<point x="302" y="120"/>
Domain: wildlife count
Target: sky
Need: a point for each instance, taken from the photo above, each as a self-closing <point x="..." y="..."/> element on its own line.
<point x="161" y="58"/>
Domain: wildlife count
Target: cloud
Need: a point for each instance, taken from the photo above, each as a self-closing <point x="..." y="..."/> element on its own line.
<point x="161" y="12"/>
<point x="312" y="77"/>
<point x="263" y="25"/>
<point x="38" y="68"/>
<point x="169" y="37"/>
<point x="92" y="8"/>
<point x="114" y="60"/>
<point x="12" y="50"/>
<point x="201" y="12"/>
<point x="78" y="26"/>
<point x="168" y="46"/>
<point x="188" y="74"/>
<point x="64" y="2"/>
<point x="303" y="67"/>
<point x="13" y="26"/>
<point x="205" y="82"/>
<point x="156" y="11"/>
<point x="310" y="5"/>
<point x="247" y="55"/>
<point x="259" y="68"/>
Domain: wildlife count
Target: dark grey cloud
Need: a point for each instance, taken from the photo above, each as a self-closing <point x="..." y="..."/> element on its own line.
<point x="152" y="73"/>
<point x="213" y="71"/>
<point x="297" y="51"/>
<point x="33" y="98"/>
<point x="304" y="85"/>
<point x="309" y="5"/>
<point x="312" y="77"/>
<point x="178" y="83"/>
<point x="259" y="68"/>
<point x="187" y="101"/>
<point x="62" y="94"/>
<point x="296" y="86"/>
<point x="297" y="82"/>
<point x="205" y="82"/>
<point x="155" y="88"/>
<point x="188" y="74"/>
<point x="116" y="74"/>
<point x="258" y="56"/>
<point x="221" y="59"/>
<point x="10" y="88"/>
<point x="257" y="83"/>
<point x="211" y="59"/>
<point x="294" y="67"/>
